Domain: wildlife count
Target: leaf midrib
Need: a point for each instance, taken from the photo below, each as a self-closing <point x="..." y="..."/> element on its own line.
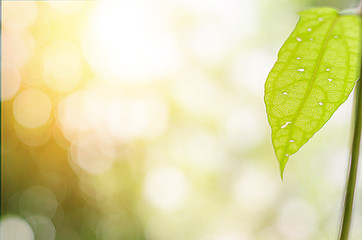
<point x="315" y="71"/>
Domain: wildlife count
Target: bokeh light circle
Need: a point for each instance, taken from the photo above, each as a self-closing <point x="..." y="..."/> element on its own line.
<point x="15" y="228"/>
<point x="33" y="137"/>
<point x="93" y="155"/>
<point x="11" y="81"/>
<point x="297" y="219"/>
<point x="18" y="15"/>
<point x="38" y="200"/>
<point x="17" y="47"/>
<point x="79" y="112"/>
<point x="254" y="190"/>
<point x="166" y="187"/>
<point x="128" y="119"/>
<point x="43" y="228"/>
<point x="32" y="108"/>
<point x="62" y="66"/>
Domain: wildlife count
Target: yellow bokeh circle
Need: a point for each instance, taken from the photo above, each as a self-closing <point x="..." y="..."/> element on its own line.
<point x="10" y="82"/>
<point x="18" y="15"/>
<point x="62" y="66"/>
<point x="32" y="108"/>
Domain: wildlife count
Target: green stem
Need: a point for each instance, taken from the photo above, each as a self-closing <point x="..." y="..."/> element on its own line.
<point x="353" y="165"/>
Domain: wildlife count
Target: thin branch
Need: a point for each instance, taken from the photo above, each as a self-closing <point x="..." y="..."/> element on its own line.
<point x="346" y="221"/>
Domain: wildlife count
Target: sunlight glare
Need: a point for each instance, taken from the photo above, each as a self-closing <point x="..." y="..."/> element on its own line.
<point x="129" y="40"/>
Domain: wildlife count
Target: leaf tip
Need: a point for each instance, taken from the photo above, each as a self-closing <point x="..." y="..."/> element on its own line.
<point x="282" y="164"/>
<point x="282" y="171"/>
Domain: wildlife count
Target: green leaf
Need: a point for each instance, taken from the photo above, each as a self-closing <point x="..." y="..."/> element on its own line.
<point x="316" y="70"/>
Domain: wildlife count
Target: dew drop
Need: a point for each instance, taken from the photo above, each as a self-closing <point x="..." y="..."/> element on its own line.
<point x="311" y="39"/>
<point x="298" y="58"/>
<point x="336" y="36"/>
<point x="329" y="80"/>
<point x="328" y="69"/>
<point x="309" y="29"/>
<point x="299" y="39"/>
<point x="320" y="19"/>
<point x="287" y="155"/>
<point x="320" y="103"/>
<point x="291" y="140"/>
<point x="301" y="70"/>
<point x="286" y="124"/>
<point x="285" y="93"/>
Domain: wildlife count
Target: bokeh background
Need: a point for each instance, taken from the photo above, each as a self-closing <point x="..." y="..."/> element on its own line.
<point x="145" y="120"/>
